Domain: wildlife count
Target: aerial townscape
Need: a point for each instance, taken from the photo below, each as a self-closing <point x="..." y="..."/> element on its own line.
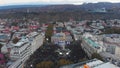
<point x="60" y="36"/>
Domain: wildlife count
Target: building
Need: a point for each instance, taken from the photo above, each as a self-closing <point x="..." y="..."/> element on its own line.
<point x="94" y="63"/>
<point x="112" y="44"/>
<point x="20" y="53"/>
<point x="61" y="38"/>
<point x="2" y="59"/>
<point x="91" y="44"/>
<point x="36" y="40"/>
<point x="22" y="50"/>
<point x="4" y="38"/>
<point x="107" y="45"/>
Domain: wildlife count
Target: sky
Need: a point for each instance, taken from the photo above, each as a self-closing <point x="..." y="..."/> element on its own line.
<point x="77" y="2"/>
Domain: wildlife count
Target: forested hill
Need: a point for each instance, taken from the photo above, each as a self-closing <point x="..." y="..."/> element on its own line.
<point x="65" y="7"/>
<point x="47" y="13"/>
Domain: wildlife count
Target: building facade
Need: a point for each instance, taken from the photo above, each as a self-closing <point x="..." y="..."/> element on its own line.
<point x="24" y="48"/>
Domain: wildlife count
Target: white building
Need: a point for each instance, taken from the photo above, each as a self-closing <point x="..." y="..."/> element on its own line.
<point x="108" y="46"/>
<point x="117" y="51"/>
<point x="91" y="45"/>
<point x="20" y="53"/>
<point x="24" y="48"/>
<point x="98" y="64"/>
<point x="94" y="63"/>
<point x="17" y="64"/>
<point x="61" y="38"/>
<point x="20" y="50"/>
<point x="36" y="40"/>
<point x="60" y="24"/>
<point x="112" y="44"/>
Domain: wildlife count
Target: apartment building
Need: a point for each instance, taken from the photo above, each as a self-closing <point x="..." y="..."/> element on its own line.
<point x="22" y="50"/>
<point x="36" y="40"/>
<point x="91" y="45"/>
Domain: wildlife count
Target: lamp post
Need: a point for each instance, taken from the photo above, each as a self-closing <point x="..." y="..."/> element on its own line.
<point x="47" y="40"/>
<point x="31" y="66"/>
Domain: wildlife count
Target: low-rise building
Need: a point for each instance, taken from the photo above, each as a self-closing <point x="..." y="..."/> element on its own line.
<point x="61" y="38"/>
<point x="94" y="63"/>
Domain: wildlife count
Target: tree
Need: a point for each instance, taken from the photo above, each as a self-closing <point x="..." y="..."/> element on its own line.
<point x="97" y="56"/>
<point x="84" y="59"/>
<point x="14" y="24"/>
<point x="15" y="40"/>
<point x="89" y="23"/>
<point x="0" y="46"/>
<point x="62" y="62"/>
<point x="112" y="31"/>
<point x="45" y="64"/>
<point x="49" y="32"/>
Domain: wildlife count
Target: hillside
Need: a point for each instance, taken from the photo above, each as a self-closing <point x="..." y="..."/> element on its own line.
<point x="46" y="13"/>
<point x="65" y="7"/>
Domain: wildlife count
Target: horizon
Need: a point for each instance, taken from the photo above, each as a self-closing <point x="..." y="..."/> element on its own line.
<point x="51" y="2"/>
<point x="27" y="4"/>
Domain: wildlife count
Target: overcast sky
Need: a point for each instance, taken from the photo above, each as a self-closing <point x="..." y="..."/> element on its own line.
<point x="12" y="2"/>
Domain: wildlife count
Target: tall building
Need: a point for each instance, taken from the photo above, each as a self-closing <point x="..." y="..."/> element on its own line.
<point x="22" y="50"/>
<point x="36" y="40"/>
<point x="20" y="53"/>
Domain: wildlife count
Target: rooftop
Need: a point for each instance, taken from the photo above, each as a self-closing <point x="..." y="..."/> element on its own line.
<point x="32" y="34"/>
<point x="21" y="42"/>
<point x="94" y="63"/>
<point x="3" y="36"/>
<point x="91" y="42"/>
<point x="106" y="65"/>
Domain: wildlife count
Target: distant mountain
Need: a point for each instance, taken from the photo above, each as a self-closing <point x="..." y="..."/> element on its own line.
<point x="47" y="13"/>
<point x="19" y="6"/>
<point x="106" y="5"/>
<point x="112" y="7"/>
<point x="39" y="8"/>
